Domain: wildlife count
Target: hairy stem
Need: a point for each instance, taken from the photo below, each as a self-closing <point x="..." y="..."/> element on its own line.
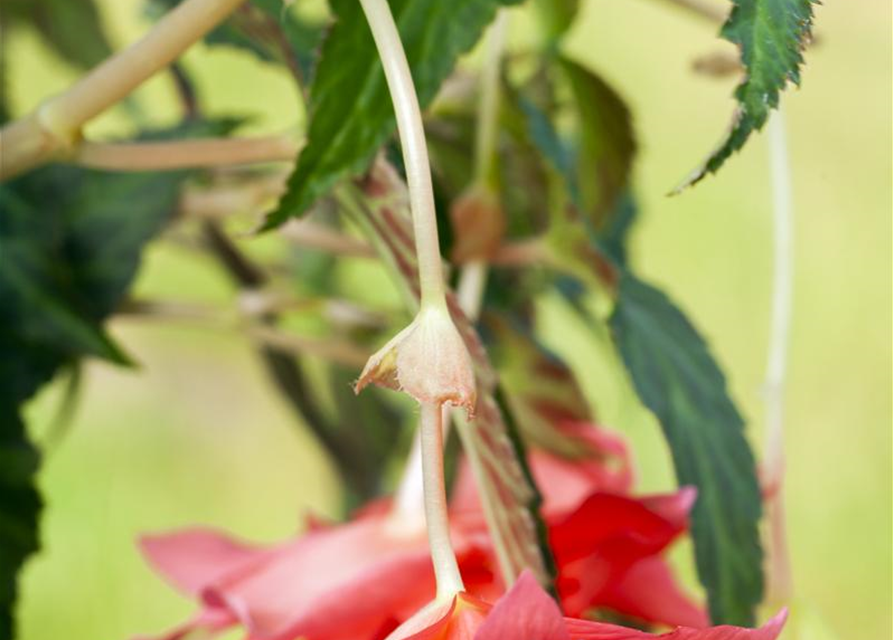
<point x="52" y="131"/>
<point x="415" y="150"/>
<point x="780" y="582"/>
<point x="446" y="569"/>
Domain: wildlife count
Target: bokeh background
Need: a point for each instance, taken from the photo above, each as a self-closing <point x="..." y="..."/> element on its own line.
<point x="196" y="436"/>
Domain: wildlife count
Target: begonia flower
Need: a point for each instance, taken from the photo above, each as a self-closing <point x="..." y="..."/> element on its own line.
<point x="526" y="612"/>
<point x="360" y="579"/>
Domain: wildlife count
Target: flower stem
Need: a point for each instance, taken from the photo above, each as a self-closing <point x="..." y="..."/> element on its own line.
<point x="446" y="569"/>
<point x="779" y="579"/>
<point x="415" y="150"/>
<point x="52" y="130"/>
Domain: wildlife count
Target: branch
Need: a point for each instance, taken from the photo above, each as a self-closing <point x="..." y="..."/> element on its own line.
<point x="184" y="154"/>
<point x="52" y="131"/>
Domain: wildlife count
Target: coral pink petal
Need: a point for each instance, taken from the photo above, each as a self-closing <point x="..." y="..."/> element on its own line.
<point x="526" y="612"/>
<point x="648" y="591"/>
<point x="331" y="582"/>
<point x="586" y="630"/>
<point x="193" y="558"/>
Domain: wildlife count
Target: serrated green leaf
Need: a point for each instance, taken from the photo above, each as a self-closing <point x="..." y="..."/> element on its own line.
<point x="19" y="508"/>
<point x="678" y="380"/>
<point x="771" y="35"/>
<point x="73" y="28"/>
<point x="70" y="242"/>
<point x="350" y="107"/>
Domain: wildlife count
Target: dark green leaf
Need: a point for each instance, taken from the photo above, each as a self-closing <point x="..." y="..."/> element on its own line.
<point x="677" y="378"/>
<point x="351" y="111"/>
<point x="607" y="144"/>
<point x="19" y="508"/>
<point x="70" y="242"/>
<point x="771" y="35"/>
<point x="73" y="28"/>
<point x="613" y="239"/>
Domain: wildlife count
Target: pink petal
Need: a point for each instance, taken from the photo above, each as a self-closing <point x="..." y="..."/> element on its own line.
<point x="331" y="583"/>
<point x="586" y="630"/>
<point x="193" y="558"/>
<point x="526" y="612"/>
<point x="648" y="591"/>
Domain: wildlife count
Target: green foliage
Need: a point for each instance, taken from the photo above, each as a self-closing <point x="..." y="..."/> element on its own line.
<point x="771" y="35"/>
<point x="350" y="107"/>
<point x="21" y="507"/>
<point x="73" y="28"/>
<point x="678" y="380"/>
<point x="70" y="242"/>
<point x="607" y="144"/>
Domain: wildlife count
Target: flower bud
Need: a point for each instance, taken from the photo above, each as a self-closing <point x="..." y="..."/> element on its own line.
<point x="478" y="225"/>
<point x="428" y="360"/>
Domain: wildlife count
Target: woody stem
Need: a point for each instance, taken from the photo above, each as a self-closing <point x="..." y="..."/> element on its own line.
<point x="415" y="150"/>
<point x="53" y="129"/>
<point x="446" y="569"/>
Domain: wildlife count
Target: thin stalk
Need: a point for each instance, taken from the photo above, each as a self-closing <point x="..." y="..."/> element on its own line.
<point x="487" y="134"/>
<point x="415" y="149"/>
<point x="184" y="154"/>
<point x="53" y="129"/>
<point x="446" y="569"/>
<point x="780" y="581"/>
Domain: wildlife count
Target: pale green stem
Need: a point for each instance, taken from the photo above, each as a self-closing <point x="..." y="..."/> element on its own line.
<point x="488" y="106"/>
<point x="780" y="581"/>
<point x="415" y="149"/>
<point x="446" y="569"/>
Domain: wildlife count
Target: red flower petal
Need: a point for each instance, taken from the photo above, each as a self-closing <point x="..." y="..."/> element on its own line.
<point x="586" y="630"/>
<point x="526" y="612"/>
<point x="648" y="591"/>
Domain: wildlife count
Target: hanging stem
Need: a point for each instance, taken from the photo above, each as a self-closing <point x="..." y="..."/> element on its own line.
<point x="52" y="131"/>
<point x="780" y="581"/>
<point x="415" y="150"/>
<point x="446" y="569"/>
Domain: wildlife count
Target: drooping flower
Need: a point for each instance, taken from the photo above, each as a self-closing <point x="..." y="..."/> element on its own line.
<point x="360" y="579"/>
<point x="526" y="612"/>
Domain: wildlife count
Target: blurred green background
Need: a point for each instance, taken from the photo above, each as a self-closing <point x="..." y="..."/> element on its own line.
<point x="196" y="436"/>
